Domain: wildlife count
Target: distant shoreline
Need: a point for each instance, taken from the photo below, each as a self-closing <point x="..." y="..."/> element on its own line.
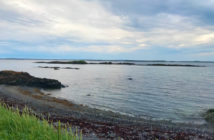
<point x="83" y="62"/>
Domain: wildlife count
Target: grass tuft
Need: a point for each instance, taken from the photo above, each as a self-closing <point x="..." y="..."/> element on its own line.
<point x="16" y="125"/>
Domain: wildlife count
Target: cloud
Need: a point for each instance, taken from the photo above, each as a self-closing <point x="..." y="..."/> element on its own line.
<point x="206" y="54"/>
<point x="84" y="20"/>
<point x="69" y="49"/>
<point x="205" y="38"/>
<point x="113" y="26"/>
<point x="173" y="31"/>
<point x="78" y="21"/>
<point x="200" y="10"/>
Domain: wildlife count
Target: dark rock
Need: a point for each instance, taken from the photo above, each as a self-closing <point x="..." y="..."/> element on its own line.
<point x="209" y="116"/>
<point x="57" y="68"/>
<point x="65" y="62"/>
<point x="109" y="63"/>
<point x="130" y="78"/>
<point x="25" y="79"/>
<point x="175" y="65"/>
<point x="71" y="68"/>
<point x="84" y="62"/>
<point x="126" y="63"/>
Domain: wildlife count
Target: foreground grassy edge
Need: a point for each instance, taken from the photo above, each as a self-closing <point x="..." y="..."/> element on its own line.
<point x="23" y="126"/>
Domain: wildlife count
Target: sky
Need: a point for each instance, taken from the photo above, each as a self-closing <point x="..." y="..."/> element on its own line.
<point x="107" y="29"/>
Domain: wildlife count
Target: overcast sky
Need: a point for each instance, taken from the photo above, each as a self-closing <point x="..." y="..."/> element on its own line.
<point x="107" y="29"/>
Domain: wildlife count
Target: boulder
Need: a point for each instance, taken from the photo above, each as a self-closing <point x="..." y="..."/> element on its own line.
<point x="209" y="116"/>
<point x="25" y="79"/>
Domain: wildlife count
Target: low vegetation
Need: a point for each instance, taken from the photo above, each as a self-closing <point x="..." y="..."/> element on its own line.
<point x="15" y="125"/>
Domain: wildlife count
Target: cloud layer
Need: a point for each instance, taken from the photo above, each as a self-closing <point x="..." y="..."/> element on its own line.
<point x="138" y="28"/>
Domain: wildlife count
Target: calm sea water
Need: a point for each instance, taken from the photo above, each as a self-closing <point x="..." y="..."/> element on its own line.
<point x="178" y="94"/>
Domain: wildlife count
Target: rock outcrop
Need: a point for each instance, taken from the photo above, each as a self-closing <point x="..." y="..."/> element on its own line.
<point x="65" y="62"/>
<point x="57" y="68"/>
<point x="25" y="79"/>
<point x="209" y="116"/>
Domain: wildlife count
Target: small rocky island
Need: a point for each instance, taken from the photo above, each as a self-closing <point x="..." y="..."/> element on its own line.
<point x="57" y="68"/>
<point x="25" y="79"/>
<point x="175" y="65"/>
<point x="64" y="62"/>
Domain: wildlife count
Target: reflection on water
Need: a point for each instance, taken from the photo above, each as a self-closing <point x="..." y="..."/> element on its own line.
<point x="178" y="94"/>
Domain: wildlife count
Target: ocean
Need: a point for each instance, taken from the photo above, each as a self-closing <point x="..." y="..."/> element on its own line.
<point x="169" y="93"/>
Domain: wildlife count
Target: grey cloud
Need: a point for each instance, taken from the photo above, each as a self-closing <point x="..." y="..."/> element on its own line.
<point x="201" y="10"/>
<point x="119" y="24"/>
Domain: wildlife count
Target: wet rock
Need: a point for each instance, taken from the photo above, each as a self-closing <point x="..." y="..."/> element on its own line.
<point x="57" y="68"/>
<point x="130" y="78"/>
<point x="71" y="68"/>
<point x="209" y="116"/>
<point x="110" y="63"/>
<point x="46" y="67"/>
<point x="25" y="79"/>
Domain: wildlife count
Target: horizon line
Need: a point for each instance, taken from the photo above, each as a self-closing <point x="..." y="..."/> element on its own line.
<point x="107" y="59"/>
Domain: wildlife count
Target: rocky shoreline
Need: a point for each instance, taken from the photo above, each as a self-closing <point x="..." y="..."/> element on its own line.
<point x="209" y="116"/>
<point x="25" y="79"/>
<point x="20" y="89"/>
<point x="96" y="123"/>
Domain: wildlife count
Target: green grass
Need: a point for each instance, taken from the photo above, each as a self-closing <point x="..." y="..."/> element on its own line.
<point x="22" y="126"/>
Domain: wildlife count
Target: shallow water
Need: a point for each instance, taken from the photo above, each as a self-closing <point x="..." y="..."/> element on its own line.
<point x="178" y="94"/>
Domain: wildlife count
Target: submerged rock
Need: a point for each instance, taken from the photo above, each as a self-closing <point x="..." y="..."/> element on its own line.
<point x="57" y="68"/>
<point x="175" y="65"/>
<point x="209" y="115"/>
<point x="111" y="63"/>
<point x="130" y="78"/>
<point x="71" y="68"/>
<point x="25" y="79"/>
